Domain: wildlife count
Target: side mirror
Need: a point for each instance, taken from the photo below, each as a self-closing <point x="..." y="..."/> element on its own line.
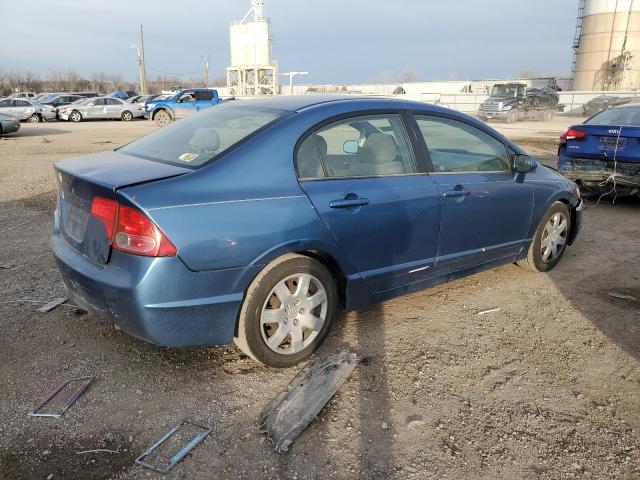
<point x="524" y="164"/>
<point x="350" y="147"/>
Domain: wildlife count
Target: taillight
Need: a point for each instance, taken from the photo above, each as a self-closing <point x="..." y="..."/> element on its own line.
<point x="105" y="211"/>
<point x="131" y="231"/>
<point x="573" y="134"/>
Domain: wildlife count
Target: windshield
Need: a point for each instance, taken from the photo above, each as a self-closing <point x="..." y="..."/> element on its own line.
<point x="629" y="116"/>
<point x="199" y="138"/>
<point x="504" y="91"/>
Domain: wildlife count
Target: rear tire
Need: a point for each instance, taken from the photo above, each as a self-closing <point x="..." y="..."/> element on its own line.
<point x="287" y="311"/>
<point x="35" y="118"/>
<point x="126" y="116"/>
<point x="162" y="118"/>
<point x="550" y="241"/>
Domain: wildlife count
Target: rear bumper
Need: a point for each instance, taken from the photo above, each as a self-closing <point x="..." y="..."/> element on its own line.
<point x="156" y="299"/>
<point x="598" y="171"/>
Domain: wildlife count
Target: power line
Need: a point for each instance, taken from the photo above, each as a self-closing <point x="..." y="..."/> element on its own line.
<point x="173" y="73"/>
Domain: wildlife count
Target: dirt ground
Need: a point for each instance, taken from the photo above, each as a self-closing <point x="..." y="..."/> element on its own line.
<point x="545" y="388"/>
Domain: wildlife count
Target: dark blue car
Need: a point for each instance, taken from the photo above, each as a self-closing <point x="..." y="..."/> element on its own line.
<point x="603" y="153"/>
<point x="255" y="220"/>
<point x="180" y="105"/>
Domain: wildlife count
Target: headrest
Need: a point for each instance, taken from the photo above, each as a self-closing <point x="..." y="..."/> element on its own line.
<point x="205" y="139"/>
<point x="378" y="148"/>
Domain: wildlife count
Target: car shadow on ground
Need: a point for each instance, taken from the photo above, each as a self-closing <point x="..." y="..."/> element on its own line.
<point x="38" y="130"/>
<point x="595" y="255"/>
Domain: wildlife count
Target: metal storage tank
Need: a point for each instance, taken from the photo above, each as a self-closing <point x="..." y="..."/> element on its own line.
<point x="607" y="45"/>
<point x="250" y="43"/>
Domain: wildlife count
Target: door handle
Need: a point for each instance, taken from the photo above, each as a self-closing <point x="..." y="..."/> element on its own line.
<point x="349" y="203"/>
<point x="456" y="193"/>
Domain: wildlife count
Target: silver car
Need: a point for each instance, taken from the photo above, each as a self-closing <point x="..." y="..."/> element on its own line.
<point x="101" y="108"/>
<point x="25" y="109"/>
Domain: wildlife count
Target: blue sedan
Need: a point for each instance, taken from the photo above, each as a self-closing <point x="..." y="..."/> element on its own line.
<point x="603" y="153"/>
<point x="8" y="123"/>
<point x="254" y="221"/>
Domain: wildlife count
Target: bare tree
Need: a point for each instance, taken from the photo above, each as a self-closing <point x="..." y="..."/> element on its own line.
<point x="408" y="76"/>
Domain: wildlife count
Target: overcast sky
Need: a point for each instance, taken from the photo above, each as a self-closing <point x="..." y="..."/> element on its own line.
<point x="337" y="41"/>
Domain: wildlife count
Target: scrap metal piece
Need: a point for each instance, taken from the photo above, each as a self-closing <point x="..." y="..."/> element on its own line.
<point x="56" y="302"/>
<point x="84" y="383"/>
<point x="621" y="296"/>
<point x="181" y="453"/>
<point x="491" y="310"/>
<point x="293" y="410"/>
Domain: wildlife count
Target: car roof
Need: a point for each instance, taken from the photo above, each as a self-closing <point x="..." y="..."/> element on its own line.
<point x="297" y="103"/>
<point x="635" y="104"/>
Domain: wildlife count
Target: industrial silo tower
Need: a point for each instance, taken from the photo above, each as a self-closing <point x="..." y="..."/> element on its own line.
<point x="252" y="72"/>
<point x="607" y="46"/>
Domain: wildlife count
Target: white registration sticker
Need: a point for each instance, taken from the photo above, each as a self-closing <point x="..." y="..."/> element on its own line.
<point x="188" y="157"/>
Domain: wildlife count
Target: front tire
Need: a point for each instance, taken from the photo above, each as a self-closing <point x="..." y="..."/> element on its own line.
<point x="287" y="311"/>
<point x="75" y="116"/>
<point x="550" y="240"/>
<point x="126" y="116"/>
<point x="162" y="118"/>
<point x="513" y="116"/>
<point x="35" y="118"/>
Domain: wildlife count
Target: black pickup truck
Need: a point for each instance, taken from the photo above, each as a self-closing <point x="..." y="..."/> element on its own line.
<point x="515" y="101"/>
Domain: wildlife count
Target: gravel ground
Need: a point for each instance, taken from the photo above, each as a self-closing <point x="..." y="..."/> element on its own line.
<point x="545" y="388"/>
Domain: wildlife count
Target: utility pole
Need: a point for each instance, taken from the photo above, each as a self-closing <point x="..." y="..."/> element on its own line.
<point x="291" y="75"/>
<point x="143" y="71"/>
<point x="206" y="70"/>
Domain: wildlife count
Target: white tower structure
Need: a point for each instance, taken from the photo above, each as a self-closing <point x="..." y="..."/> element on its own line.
<point x="607" y="47"/>
<point x="252" y="72"/>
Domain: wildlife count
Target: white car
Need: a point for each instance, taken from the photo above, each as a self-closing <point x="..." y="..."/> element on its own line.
<point x="101" y="108"/>
<point x="25" y="109"/>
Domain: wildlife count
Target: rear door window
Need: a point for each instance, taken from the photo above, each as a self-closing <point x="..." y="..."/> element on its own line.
<point x="204" y="95"/>
<point x="21" y="103"/>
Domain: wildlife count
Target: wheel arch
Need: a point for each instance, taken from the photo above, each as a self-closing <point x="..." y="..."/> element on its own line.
<point x="159" y="109"/>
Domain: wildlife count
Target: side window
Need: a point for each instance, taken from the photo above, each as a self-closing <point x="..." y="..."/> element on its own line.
<point x="186" y="97"/>
<point x="98" y="102"/>
<point x="5" y="103"/>
<point x="113" y="101"/>
<point x="204" y="95"/>
<point x="308" y="159"/>
<point x="363" y="146"/>
<point x="21" y="103"/>
<point x="457" y="147"/>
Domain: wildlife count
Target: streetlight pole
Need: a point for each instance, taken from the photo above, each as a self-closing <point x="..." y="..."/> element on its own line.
<point x="140" y="71"/>
<point x="143" y="69"/>
<point x="206" y="70"/>
<point x="291" y="75"/>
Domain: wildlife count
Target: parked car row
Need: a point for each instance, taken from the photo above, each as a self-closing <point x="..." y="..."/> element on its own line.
<point x="77" y="107"/>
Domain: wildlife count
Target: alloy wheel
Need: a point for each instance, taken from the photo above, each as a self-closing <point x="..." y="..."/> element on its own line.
<point x="293" y="314"/>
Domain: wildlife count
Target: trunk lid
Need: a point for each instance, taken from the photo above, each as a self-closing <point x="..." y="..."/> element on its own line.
<point x="81" y="179"/>
<point x="606" y="142"/>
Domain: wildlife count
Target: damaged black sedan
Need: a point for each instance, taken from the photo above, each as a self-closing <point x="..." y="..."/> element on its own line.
<point x="603" y="154"/>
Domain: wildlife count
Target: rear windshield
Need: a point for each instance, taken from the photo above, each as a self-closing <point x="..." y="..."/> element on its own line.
<point x="617" y="116"/>
<point x="197" y="139"/>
